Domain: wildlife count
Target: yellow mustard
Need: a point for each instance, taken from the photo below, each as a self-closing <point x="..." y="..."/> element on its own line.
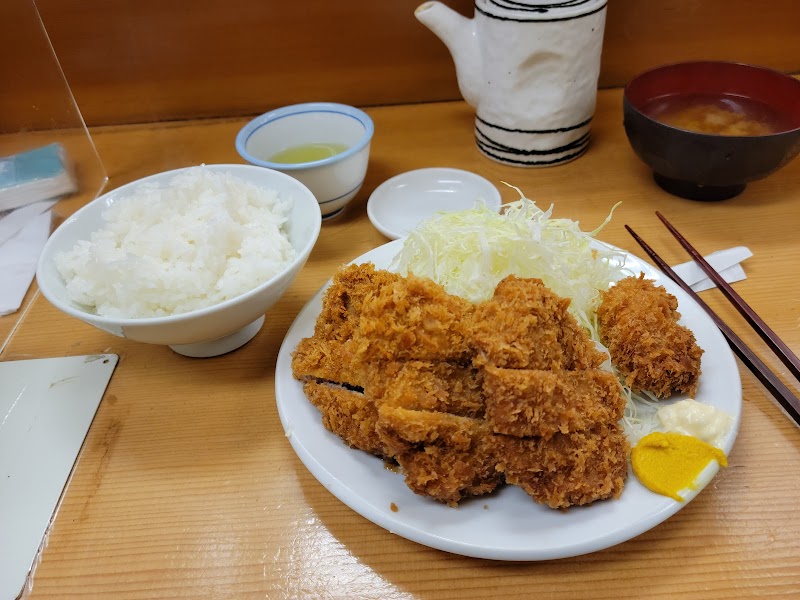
<point x="667" y="463"/>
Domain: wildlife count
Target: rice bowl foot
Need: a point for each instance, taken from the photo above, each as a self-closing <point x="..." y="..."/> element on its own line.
<point x="222" y="345"/>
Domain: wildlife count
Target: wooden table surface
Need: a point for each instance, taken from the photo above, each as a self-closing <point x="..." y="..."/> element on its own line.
<point x="187" y="487"/>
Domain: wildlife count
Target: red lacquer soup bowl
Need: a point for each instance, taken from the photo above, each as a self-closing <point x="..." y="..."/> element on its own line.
<point x="708" y="128"/>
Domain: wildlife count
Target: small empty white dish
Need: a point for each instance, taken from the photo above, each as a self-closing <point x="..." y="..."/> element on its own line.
<point x="399" y="204"/>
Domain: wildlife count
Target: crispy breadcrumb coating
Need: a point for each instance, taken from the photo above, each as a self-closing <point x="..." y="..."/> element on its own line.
<point x="436" y="386"/>
<point x="465" y="398"/>
<point x="568" y="469"/>
<point x="350" y="415"/>
<point x="412" y="319"/>
<point x="341" y="304"/>
<point x="526" y="326"/>
<point x="443" y="456"/>
<point x="526" y="403"/>
<point x="450" y="458"/>
<point x="317" y="359"/>
<point x="638" y="321"/>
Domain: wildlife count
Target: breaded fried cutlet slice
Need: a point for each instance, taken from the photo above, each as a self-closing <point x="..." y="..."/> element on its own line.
<point x="317" y="359"/>
<point x="525" y="403"/>
<point x="527" y="326"/>
<point x="412" y="319"/>
<point x="350" y="415"/>
<point x="435" y="386"/>
<point x="569" y="469"/>
<point x="403" y="428"/>
<point x="638" y="321"/>
<point x="442" y="456"/>
<point x="325" y="356"/>
<point x="341" y="304"/>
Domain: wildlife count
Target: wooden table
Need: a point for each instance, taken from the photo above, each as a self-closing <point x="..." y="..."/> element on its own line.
<point x="187" y="486"/>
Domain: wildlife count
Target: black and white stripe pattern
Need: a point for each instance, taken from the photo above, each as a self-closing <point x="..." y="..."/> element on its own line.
<point x="540" y="7"/>
<point x="520" y="11"/>
<point x="532" y="147"/>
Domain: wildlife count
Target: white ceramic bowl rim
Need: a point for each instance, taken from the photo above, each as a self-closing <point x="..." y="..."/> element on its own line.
<point x="67" y="306"/>
<point x="298" y="109"/>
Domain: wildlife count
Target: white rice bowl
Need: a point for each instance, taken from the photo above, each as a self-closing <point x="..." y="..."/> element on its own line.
<point x="204" y="238"/>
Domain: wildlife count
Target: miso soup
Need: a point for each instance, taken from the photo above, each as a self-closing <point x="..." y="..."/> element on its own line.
<point x="717" y="114"/>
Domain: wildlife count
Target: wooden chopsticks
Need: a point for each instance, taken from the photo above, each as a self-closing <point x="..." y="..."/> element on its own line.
<point x="784" y="396"/>
<point x="772" y="340"/>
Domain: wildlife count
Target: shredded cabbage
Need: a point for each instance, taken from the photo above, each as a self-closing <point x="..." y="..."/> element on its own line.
<point x="469" y="252"/>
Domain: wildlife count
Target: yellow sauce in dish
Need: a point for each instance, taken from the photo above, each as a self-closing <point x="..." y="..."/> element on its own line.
<point x="667" y="463"/>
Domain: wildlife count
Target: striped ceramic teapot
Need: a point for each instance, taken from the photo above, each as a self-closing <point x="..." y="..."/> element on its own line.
<point x="530" y="70"/>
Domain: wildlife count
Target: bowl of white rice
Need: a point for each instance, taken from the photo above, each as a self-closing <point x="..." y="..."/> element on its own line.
<point x="191" y="258"/>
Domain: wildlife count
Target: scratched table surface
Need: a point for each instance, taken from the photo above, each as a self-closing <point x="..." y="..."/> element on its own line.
<point x="188" y="488"/>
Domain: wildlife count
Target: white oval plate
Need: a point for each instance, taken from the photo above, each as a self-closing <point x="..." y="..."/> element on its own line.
<point x="507" y="524"/>
<point x="399" y="204"/>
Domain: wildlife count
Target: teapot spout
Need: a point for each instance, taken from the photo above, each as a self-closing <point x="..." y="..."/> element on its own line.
<point x="460" y="36"/>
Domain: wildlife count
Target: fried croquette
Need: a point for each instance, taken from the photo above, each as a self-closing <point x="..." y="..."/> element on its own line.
<point x="525" y="403"/>
<point x="638" y="321"/>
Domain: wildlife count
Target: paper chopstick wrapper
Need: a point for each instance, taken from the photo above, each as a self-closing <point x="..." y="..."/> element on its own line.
<point x="725" y="262"/>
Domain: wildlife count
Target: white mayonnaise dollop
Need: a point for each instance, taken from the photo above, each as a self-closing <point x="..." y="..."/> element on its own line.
<point x="699" y="420"/>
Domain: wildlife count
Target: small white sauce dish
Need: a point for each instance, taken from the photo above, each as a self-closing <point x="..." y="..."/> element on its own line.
<point x="399" y="204"/>
<point x="335" y="180"/>
<point x="204" y="332"/>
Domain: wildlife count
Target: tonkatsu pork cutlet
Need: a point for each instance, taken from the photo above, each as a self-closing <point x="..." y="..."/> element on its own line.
<point x="350" y="415"/>
<point x="524" y="402"/>
<point x="401" y="369"/>
<point x="639" y="323"/>
<point x="326" y="356"/>
<point x="433" y="386"/>
<point x="526" y="326"/>
<point x="412" y="319"/>
<point x="341" y="304"/>
<point x="443" y="456"/>
<point x="569" y="468"/>
<point x="317" y="359"/>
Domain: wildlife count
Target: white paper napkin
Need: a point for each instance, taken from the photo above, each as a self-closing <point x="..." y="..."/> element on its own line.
<point x="11" y="221"/>
<point x="726" y="262"/>
<point x="18" y="258"/>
